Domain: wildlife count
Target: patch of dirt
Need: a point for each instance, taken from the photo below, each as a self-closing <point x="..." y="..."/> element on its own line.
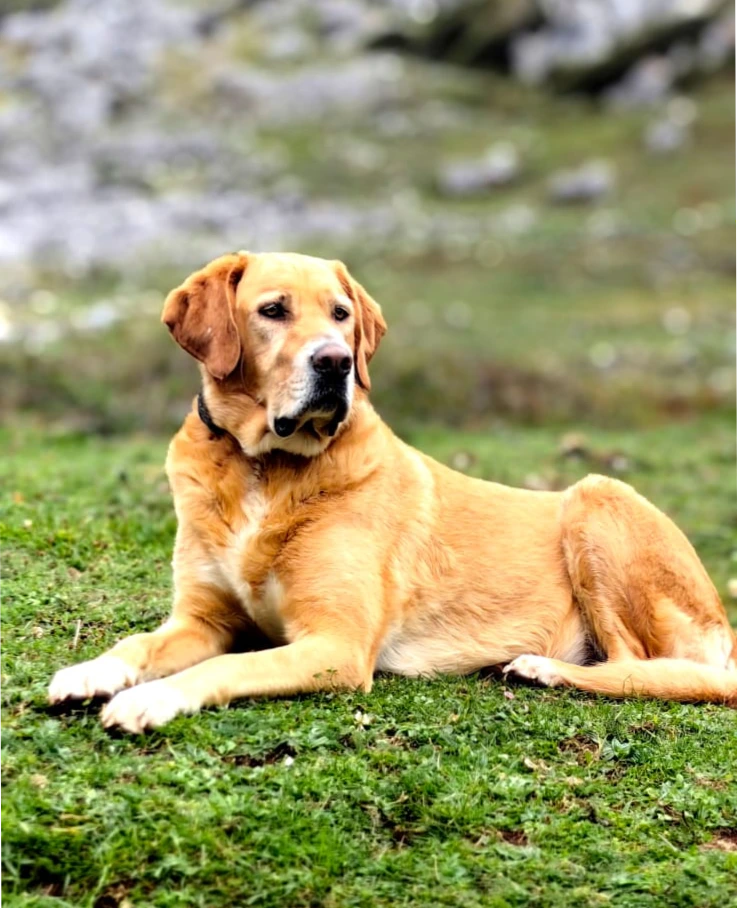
<point x="115" y="896"/>
<point x="675" y="815"/>
<point x="402" y="829"/>
<point x="724" y="840"/>
<point x="513" y="837"/>
<point x="275" y="755"/>
<point x="398" y="739"/>
<point x="583" y="748"/>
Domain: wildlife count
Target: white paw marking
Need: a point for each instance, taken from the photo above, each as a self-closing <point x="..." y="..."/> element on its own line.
<point x="534" y="668"/>
<point x="146" y="706"/>
<point x="101" y="677"/>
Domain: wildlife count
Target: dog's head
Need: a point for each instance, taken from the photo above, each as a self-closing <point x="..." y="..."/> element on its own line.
<point x="283" y="340"/>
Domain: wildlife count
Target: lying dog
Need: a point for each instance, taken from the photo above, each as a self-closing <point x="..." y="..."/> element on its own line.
<point x="303" y="519"/>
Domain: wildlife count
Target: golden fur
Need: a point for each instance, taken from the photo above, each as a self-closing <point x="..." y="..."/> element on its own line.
<point x="347" y="551"/>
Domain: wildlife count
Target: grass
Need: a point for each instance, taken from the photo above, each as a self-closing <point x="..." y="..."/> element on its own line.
<point x="444" y="792"/>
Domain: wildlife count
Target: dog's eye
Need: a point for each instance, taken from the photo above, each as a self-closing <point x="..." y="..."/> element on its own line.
<point x="273" y="310"/>
<point x="340" y="313"/>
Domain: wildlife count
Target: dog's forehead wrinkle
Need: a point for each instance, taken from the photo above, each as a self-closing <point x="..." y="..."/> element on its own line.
<point x="272" y="295"/>
<point x="300" y="276"/>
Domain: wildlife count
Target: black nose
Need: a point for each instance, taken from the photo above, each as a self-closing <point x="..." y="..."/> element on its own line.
<point x="332" y="361"/>
<point x="284" y="426"/>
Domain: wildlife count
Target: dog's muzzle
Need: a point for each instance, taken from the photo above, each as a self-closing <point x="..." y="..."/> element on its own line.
<point x="329" y="399"/>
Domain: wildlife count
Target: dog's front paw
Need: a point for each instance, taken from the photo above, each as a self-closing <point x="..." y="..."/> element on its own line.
<point x="146" y="706"/>
<point x="101" y="677"/>
<point x="534" y="668"/>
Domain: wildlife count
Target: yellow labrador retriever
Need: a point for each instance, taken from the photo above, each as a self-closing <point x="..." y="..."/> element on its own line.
<point x="304" y="520"/>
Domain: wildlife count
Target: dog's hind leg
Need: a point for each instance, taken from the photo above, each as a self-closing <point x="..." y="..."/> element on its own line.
<point x="645" y="599"/>
<point x="666" y="679"/>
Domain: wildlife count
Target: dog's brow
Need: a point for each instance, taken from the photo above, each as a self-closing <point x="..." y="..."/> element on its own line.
<point x="272" y="296"/>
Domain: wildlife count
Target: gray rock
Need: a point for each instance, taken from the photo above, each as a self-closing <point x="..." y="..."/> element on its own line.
<point x="462" y="31"/>
<point x="585" y="43"/>
<point x="646" y="84"/>
<point x="78" y="65"/>
<point x="716" y="43"/>
<point x="101" y="165"/>
<point x="356" y="86"/>
<point x="562" y="43"/>
<point x="672" y="130"/>
<point x="590" y="182"/>
<point x="129" y="134"/>
<point x="498" y="167"/>
<point x="345" y="26"/>
<point x="664" y="137"/>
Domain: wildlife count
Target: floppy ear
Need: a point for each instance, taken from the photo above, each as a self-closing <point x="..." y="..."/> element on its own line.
<point x="199" y="314"/>
<point x="370" y="324"/>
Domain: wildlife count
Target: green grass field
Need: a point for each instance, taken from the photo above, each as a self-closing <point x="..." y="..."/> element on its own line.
<point x="457" y="791"/>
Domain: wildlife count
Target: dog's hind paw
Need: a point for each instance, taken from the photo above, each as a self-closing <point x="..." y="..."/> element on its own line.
<point x="535" y="668"/>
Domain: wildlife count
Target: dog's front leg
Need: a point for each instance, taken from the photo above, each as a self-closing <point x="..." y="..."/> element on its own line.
<point x="314" y="662"/>
<point x="184" y="640"/>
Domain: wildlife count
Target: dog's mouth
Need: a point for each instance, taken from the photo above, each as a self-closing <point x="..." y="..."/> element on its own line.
<point x="321" y="417"/>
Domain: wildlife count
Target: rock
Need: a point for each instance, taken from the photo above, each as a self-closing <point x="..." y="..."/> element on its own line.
<point x="672" y="131"/>
<point x="467" y="32"/>
<point x="646" y="84"/>
<point x="311" y="93"/>
<point x="587" y="44"/>
<point x="104" y="162"/>
<point x="592" y="181"/>
<point x="716" y="43"/>
<point x="498" y="167"/>
<point x="462" y="461"/>
<point x="665" y="137"/>
<point x="78" y="66"/>
<point x="682" y="111"/>
<point x="343" y="26"/>
<point x="676" y="320"/>
<point x="131" y="131"/>
<point x="537" y="483"/>
<point x="516" y="220"/>
<point x="574" y="446"/>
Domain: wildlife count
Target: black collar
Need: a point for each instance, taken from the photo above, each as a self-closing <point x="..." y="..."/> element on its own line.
<point x="207" y="419"/>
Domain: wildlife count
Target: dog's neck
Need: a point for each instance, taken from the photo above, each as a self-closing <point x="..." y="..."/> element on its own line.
<point x="243" y="418"/>
<point x="203" y="412"/>
<point x="357" y="452"/>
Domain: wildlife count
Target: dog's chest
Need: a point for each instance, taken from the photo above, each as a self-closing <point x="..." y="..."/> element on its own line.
<point x="259" y="592"/>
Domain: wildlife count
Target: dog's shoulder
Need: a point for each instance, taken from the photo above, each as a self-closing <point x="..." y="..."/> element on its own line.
<point x="206" y="474"/>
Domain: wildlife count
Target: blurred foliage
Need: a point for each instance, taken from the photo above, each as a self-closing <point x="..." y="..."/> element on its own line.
<point x="617" y="312"/>
<point x="17" y="6"/>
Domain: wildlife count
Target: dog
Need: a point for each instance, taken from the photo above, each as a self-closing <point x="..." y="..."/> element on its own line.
<point x="303" y="520"/>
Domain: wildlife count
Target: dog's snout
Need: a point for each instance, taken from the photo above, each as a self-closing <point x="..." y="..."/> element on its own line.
<point x="332" y="360"/>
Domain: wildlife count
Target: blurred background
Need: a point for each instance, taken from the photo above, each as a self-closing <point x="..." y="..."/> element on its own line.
<point x="540" y="193"/>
